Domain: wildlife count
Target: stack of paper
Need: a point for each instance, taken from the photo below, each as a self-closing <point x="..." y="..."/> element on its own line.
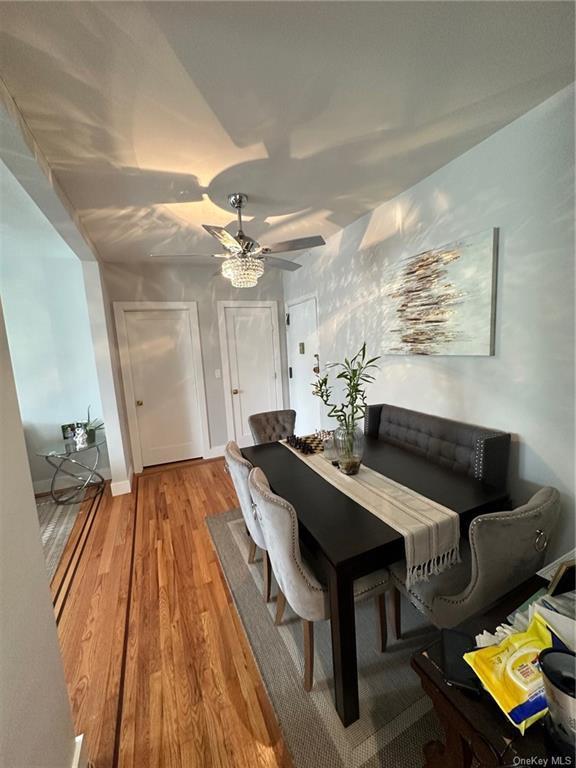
<point x="558" y="612"/>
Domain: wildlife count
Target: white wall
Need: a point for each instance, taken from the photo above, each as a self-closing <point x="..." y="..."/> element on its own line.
<point x="35" y="724"/>
<point x="117" y="436"/>
<point x="521" y="180"/>
<point x="42" y="289"/>
<point x="180" y="282"/>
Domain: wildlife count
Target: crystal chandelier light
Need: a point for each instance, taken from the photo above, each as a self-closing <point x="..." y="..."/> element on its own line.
<point x="243" y="271"/>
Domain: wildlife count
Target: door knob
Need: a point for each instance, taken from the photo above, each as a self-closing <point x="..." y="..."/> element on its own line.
<point x="235" y="391"/>
<point x="139" y="402"/>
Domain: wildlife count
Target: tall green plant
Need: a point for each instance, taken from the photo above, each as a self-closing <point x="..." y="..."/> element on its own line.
<point x="356" y="374"/>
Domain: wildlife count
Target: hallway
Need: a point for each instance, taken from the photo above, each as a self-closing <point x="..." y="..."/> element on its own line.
<point x="172" y="682"/>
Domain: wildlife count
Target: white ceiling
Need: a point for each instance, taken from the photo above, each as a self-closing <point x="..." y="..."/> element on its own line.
<point x="24" y="226"/>
<point x="150" y="113"/>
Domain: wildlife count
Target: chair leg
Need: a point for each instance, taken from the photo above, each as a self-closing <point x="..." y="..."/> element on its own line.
<point x="251" y="552"/>
<point x="267" y="576"/>
<point x="308" y="628"/>
<point x="280" y="606"/>
<point x="382" y="621"/>
<point x="396" y="613"/>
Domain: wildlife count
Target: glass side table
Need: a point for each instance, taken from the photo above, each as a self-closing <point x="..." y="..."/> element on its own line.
<point x="70" y="461"/>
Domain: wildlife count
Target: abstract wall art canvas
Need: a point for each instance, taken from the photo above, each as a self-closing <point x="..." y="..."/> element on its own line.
<point x="442" y="301"/>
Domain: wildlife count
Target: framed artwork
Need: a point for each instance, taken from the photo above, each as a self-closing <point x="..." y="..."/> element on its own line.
<point x="68" y="430"/>
<point x="564" y="580"/>
<point x="443" y="301"/>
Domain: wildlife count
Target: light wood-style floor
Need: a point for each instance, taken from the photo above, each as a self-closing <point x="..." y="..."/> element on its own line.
<point x="158" y="667"/>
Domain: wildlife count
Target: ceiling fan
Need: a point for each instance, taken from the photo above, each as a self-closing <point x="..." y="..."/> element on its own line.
<point x="245" y="257"/>
<point x="243" y="245"/>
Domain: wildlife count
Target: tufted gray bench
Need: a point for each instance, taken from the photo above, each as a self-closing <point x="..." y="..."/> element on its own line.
<point x="476" y="451"/>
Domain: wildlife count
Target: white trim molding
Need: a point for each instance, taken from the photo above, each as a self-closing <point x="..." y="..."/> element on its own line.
<point x="215" y="452"/>
<point x="122" y="487"/>
<point x="120" y="310"/>
<point x="116" y="441"/>
<point x="226" y="377"/>
<point x="118" y="488"/>
<point x="80" y="757"/>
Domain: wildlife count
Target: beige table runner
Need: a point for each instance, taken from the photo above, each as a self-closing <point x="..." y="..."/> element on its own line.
<point x="431" y="532"/>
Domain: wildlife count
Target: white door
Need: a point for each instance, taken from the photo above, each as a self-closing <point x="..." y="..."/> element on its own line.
<point x="251" y="363"/>
<point x="164" y="384"/>
<point x="303" y="351"/>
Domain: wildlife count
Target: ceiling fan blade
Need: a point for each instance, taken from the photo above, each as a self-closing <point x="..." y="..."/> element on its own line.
<point x="177" y="255"/>
<point x="224" y="238"/>
<point x="289" y="266"/>
<point x="300" y="244"/>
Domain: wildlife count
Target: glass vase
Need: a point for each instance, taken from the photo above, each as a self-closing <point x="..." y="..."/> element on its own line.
<point x="329" y="449"/>
<point x="350" y="448"/>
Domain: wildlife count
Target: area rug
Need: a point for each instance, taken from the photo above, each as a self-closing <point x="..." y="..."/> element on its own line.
<point x="396" y="717"/>
<point x="56" y="523"/>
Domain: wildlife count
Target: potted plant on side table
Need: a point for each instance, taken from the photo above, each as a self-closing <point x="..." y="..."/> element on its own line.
<point x="348" y="437"/>
<point x="92" y="425"/>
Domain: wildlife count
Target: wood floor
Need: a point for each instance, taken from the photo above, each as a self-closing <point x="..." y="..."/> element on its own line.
<point x="157" y="664"/>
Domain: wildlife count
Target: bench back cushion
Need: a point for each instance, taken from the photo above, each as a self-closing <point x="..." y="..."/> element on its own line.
<point x="476" y="451"/>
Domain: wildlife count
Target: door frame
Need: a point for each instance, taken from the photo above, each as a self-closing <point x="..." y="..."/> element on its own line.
<point x="121" y="308"/>
<point x="287" y="306"/>
<point x="226" y="379"/>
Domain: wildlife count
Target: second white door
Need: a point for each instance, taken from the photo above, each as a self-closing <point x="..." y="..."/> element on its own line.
<point x="164" y="382"/>
<point x="251" y="362"/>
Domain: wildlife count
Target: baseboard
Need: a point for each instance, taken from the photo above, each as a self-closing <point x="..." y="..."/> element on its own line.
<point x="121" y="487"/>
<point x="43" y="486"/>
<point x="80" y="759"/>
<point x="214" y="452"/>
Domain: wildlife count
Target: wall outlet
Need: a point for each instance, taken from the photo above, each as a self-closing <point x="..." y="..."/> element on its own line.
<point x="217" y="373"/>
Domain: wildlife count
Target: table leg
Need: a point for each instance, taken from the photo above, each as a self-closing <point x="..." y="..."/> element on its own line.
<point x="343" y="625"/>
<point x="455" y="752"/>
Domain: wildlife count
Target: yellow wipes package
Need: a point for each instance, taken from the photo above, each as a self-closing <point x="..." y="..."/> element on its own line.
<point x="511" y="674"/>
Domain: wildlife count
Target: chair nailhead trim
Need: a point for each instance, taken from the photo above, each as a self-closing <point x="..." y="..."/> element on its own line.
<point x="371" y="588"/>
<point x="273" y="499"/>
<point x="479" y="458"/>
<point x="281" y="502"/>
<point x="449" y="600"/>
<point x="471" y="537"/>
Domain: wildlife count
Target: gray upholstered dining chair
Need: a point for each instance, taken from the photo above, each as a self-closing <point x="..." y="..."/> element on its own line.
<point x="307" y="597"/>
<point x="503" y="550"/>
<point x="269" y="426"/>
<point x="239" y="469"/>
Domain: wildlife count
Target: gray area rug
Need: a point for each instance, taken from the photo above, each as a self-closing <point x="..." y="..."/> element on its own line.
<point x="396" y="717"/>
<point x="56" y="523"/>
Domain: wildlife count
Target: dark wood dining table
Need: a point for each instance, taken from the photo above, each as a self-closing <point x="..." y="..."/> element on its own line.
<point x="342" y="541"/>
